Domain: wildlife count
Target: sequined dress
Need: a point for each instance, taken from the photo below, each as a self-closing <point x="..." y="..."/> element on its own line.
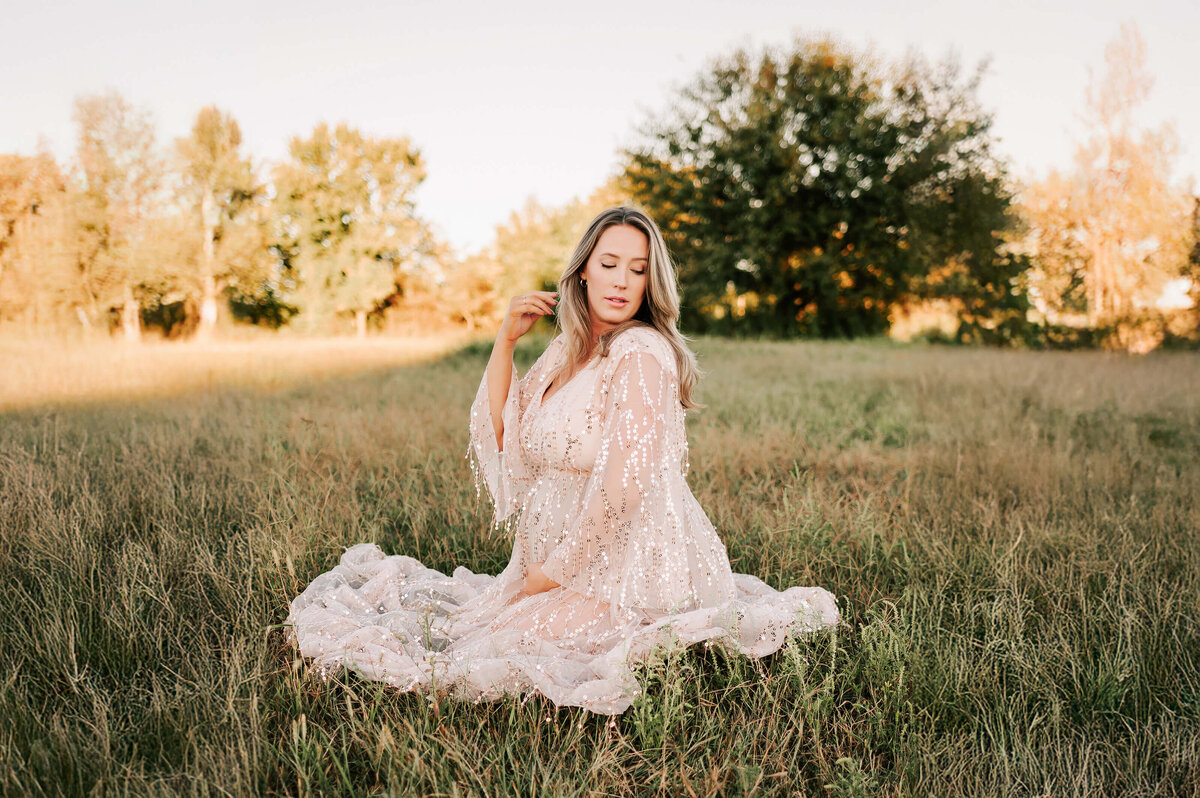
<point x="591" y="482"/>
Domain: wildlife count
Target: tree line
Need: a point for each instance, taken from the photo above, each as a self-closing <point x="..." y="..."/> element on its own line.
<point x="130" y="233"/>
<point x="805" y="190"/>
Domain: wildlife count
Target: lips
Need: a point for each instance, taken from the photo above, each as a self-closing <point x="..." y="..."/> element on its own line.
<point x="617" y="301"/>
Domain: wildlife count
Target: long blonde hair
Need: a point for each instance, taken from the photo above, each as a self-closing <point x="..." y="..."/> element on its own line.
<point x="659" y="308"/>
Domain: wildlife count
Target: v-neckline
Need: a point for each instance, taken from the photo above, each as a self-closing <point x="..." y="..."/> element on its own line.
<point x="542" y="401"/>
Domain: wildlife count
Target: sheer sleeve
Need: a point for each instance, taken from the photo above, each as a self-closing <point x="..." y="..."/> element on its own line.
<point x="631" y="544"/>
<point x="505" y="472"/>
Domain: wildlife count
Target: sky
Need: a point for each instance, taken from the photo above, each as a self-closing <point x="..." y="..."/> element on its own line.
<point x="513" y="100"/>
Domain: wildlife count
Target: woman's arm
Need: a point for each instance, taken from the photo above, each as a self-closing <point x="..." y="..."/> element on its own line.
<point x="497" y="408"/>
<point x="499" y="378"/>
<point x="523" y="311"/>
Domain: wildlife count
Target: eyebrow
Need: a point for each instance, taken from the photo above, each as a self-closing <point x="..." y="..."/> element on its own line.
<point x="615" y="255"/>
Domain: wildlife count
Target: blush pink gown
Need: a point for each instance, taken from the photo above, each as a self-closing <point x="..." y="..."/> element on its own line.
<point x="590" y="482"/>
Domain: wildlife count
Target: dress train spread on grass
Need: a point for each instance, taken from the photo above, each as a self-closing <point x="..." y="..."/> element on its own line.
<point x="592" y="483"/>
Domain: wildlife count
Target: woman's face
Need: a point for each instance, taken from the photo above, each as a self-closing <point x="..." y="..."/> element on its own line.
<point x="616" y="275"/>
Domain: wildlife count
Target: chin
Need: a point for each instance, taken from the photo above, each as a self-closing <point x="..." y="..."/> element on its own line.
<point x="607" y="315"/>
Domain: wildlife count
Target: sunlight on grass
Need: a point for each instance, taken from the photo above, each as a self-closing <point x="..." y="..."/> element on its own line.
<point x="77" y="373"/>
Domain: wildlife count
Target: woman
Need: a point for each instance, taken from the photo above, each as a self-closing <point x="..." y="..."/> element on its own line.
<point x="585" y="459"/>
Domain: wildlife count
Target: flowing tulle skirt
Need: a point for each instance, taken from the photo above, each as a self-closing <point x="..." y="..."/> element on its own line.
<point x="479" y="637"/>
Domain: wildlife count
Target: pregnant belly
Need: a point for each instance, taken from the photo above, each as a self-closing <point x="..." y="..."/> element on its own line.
<point x="551" y="506"/>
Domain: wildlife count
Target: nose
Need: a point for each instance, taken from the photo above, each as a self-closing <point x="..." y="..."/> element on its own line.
<point x="620" y="280"/>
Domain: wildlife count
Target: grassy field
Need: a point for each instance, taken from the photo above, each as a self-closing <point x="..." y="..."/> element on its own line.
<point x="1013" y="539"/>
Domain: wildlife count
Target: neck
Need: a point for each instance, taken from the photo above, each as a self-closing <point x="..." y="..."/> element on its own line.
<point x="598" y="329"/>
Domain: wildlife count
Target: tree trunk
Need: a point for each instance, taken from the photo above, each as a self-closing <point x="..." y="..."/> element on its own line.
<point x="208" y="282"/>
<point x="131" y="321"/>
<point x="360" y="323"/>
<point x="1098" y="282"/>
<point x="208" y="309"/>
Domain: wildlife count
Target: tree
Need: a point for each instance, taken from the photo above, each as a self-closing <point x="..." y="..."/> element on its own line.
<point x="1054" y="281"/>
<point x="809" y="190"/>
<point x="471" y="293"/>
<point x="1109" y="235"/>
<point x="348" y="228"/>
<point x="38" y="262"/>
<point x="121" y="176"/>
<point x="226" y="200"/>
<point x="1191" y="269"/>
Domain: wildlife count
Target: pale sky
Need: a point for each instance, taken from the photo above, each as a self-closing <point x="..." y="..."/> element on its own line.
<point x="508" y="100"/>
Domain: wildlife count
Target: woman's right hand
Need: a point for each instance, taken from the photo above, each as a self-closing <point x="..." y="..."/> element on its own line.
<point x="524" y="310"/>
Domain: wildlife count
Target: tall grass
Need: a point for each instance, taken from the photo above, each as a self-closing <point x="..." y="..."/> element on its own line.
<point x="1012" y="538"/>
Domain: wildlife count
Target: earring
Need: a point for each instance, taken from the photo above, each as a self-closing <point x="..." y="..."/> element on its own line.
<point x="583" y="282"/>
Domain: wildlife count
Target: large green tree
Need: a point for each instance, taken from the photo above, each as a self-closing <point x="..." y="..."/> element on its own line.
<point x="348" y="228"/>
<point x="809" y="190"/>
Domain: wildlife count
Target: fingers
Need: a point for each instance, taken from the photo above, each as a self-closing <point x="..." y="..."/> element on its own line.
<point x="549" y="296"/>
<point x="535" y="302"/>
<point x="540" y="305"/>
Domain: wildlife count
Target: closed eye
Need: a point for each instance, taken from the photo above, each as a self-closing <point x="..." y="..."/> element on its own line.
<point x="613" y="266"/>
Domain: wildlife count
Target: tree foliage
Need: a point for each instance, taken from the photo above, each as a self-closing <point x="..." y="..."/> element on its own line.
<point x="39" y="263"/>
<point x="226" y="202"/>
<point x="121" y="178"/>
<point x="1108" y="235"/>
<point x="1191" y="270"/>
<point x="809" y="190"/>
<point x="348" y="230"/>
